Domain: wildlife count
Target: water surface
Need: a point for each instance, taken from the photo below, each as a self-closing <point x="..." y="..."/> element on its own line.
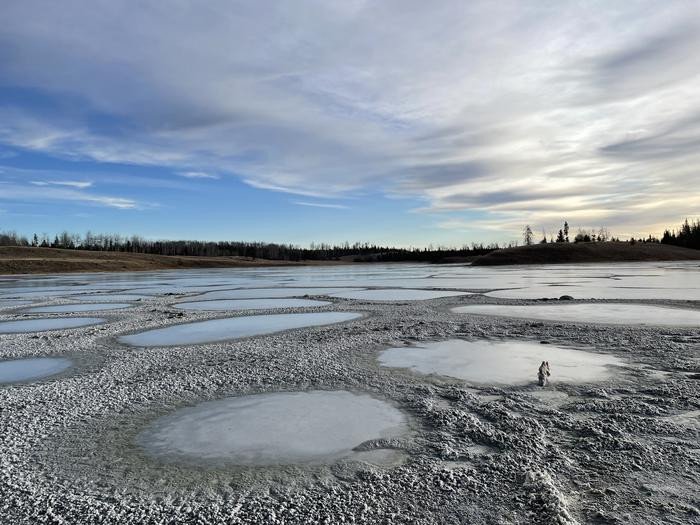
<point x="233" y="328"/>
<point x="76" y="308"/>
<point x="273" y="429"/>
<point x="41" y="325"/>
<point x="397" y="294"/>
<point x="251" y="304"/>
<point x="604" y="313"/>
<point x="500" y="362"/>
<point x="34" y="368"/>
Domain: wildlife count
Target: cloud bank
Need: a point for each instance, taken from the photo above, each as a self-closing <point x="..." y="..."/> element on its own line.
<point x="514" y="111"/>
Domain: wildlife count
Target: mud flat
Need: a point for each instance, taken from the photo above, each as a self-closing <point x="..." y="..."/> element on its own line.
<point x="617" y="447"/>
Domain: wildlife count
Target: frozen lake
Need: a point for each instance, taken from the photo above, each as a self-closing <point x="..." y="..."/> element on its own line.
<point x="233" y="328"/>
<point x="659" y="280"/>
<point x="604" y="313"/>
<point x="41" y="325"/>
<point x="26" y="369"/>
<point x="250" y="304"/>
<point x="500" y="362"/>
<point x="273" y="429"/>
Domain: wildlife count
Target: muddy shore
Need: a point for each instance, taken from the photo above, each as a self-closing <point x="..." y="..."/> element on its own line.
<point x="623" y="450"/>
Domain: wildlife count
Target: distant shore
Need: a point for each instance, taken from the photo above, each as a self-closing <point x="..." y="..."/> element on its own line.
<point x="29" y="260"/>
<point x="586" y="252"/>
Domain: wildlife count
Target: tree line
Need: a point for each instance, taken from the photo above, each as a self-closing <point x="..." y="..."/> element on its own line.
<point x="361" y="252"/>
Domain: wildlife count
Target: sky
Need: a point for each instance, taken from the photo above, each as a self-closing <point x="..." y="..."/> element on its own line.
<point x="398" y="122"/>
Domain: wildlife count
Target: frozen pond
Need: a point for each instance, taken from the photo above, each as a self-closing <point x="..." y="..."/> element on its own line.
<point x="112" y="297"/>
<point x="607" y="313"/>
<point x="251" y="304"/>
<point x="75" y="308"/>
<point x="598" y="292"/>
<point x="501" y="362"/>
<point x="40" y="325"/>
<point x="233" y="328"/>
<point x="653" y="280"/>
<point x="273" y="429"/>
<point x="26" y="369"/>
<point x="267" y="293"/>
<point x="10" y="303"/>
<point x="396" y="294"/>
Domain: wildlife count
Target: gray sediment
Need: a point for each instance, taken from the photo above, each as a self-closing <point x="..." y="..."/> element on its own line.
<point x="619" y="450"/>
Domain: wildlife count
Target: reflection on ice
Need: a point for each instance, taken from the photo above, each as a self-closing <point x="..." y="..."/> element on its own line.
<point x="608" y="313"/>
<point x="274" y="429"/>
<point x="501" y="362"/>
<point x="26" y="369"/>
<point x="396" y="294"/>
<point x="232" y="328"/>
<point x="75" y="308"/>
<point x="250" y="304"/>
<point x="40" y="325"/>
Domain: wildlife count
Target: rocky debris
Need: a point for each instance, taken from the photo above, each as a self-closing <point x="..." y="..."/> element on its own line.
<point x="476" y="454"/>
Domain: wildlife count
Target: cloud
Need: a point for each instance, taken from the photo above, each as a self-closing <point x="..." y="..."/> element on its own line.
<point x="69" y="183"/>
<point x="15" y="190"/>
<point x="515" y="112"/>
<point x="321" y="205"/>
<point x="197" y="175"/>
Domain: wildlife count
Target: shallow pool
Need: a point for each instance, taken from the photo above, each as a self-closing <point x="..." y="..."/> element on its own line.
<point x="75" y="308"/>
<point x="233" y="328"/>
<point x="500" y="362"/>
<point x="608" y="313"/>
<point x="41" y="325"/>
<point x="273" y="429"/>
<point x="397" y="294"/>
<point x="25" y="369"/>
<point x="251" y="304"/>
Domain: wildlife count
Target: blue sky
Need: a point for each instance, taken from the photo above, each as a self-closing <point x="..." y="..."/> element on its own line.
<point x="395" y="122"/>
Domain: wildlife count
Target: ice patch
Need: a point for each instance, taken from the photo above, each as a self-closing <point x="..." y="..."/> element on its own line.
<point x="251" y="304"/>
<point x="41" y="325"/>
<point x="500" y="362"/>
<point x="274" y="429"/>
<point x="75" y="308"/>
<point x="233" y="328"/>
<point x="25" y="369"/>
<point x="605" y="313"/>
<point x="397" y="294"/>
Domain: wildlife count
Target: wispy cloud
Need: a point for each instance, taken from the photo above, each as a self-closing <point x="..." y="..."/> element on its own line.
<point x="69" y="183"/>
<point x="197" y="175"/>
<point x="321" y="205"/>
<point x="521" y="111"/>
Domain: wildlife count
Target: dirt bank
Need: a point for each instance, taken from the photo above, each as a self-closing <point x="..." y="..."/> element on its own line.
<point x="20" y="260"/>
<point x="586" y="252"/>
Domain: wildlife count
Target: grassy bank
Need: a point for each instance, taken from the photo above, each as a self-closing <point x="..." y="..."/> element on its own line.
<point x="586" y="252"/>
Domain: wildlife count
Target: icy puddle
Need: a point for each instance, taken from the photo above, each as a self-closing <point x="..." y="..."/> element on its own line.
<point x="41" y="325"/>
<point x="233" y="328"/>
<point x="251" y="304"/>
<point x="75" y="308"/>
<point x="396" y="294"/>
<point x="502" y="362"/>
<point x="317" y="427"/>
<point x="35" y="368"/>
<point x="627" y="314"/>
<point x="11" y="303"/>
<point x="112" y="297"/>
<point x="269" y="293"/>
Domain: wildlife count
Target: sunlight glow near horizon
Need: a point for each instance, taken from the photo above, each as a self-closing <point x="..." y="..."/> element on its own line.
<point x="349" y="121"/>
